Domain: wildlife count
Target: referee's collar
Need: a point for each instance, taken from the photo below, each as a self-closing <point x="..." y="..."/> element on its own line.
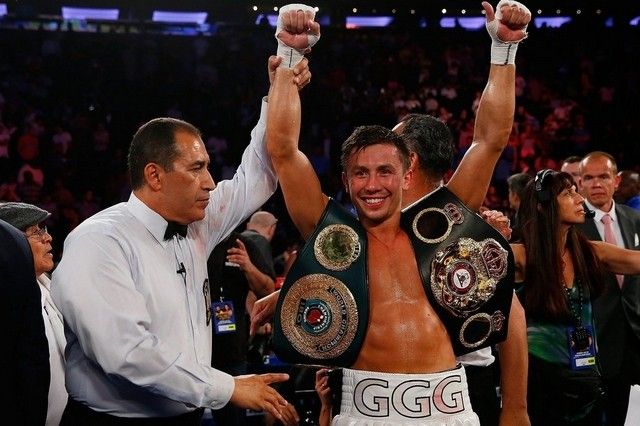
<point x="151" y="220"/>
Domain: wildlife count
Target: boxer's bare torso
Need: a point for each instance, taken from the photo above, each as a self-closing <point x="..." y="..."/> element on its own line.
<point x="404" y="334"/>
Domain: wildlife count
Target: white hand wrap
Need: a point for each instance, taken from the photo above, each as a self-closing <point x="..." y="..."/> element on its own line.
<point x="291" y="56"/>
<point x="503" y="53"/>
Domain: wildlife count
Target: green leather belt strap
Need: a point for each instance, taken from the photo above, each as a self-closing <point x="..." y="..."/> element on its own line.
<point x="322" y="312"/>
<point x="466" y="266"/>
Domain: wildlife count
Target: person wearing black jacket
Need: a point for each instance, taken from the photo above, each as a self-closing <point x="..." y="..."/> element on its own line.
<point x="25" y="354"/>
<point x="237" y="266"/>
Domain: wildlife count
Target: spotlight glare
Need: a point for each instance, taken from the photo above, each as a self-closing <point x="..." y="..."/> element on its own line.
<point x="463" y="11"/>
<point x="444" y="11"/>
<point x="354" y="10"/>
<point x="255" y="8"/>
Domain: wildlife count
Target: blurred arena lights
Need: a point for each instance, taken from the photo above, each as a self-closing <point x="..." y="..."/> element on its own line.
<point x="86" y="13"/>
<point x="551" y="22"/>
<point x="203" y="16"/>
<point x="181" y="17"/>
<point x="353" y="22"/>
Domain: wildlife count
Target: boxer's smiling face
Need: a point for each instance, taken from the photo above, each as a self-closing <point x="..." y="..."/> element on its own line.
<point x="375" y="178"/>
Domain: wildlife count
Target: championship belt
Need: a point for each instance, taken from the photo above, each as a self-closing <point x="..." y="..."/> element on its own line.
<point x="466" y="267"/>
<point x="322" y="312"/>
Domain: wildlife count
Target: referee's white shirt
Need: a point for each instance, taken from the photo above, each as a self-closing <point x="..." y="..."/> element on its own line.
<point x="139" y="344"/>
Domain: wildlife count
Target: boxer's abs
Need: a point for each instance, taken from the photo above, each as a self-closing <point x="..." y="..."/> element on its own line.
<point x="405" y="336"/>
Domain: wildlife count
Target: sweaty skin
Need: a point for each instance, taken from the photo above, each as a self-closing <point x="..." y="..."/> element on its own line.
<point x="404" y="335"/>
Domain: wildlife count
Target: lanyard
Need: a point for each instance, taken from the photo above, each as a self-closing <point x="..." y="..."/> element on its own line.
<point x="575" y="306"/>
<point x="221" y="293"/>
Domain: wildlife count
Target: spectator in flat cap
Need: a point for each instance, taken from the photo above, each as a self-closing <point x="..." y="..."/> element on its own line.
<point x="22" y="215"/>
<point x="28" y="218"/>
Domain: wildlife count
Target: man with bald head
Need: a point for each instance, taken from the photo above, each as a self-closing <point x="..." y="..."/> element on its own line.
<point x="260" y="229"/>
<point x="617" y="310"/>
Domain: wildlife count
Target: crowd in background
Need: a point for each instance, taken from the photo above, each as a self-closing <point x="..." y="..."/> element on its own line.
<point x="70" y="102"/>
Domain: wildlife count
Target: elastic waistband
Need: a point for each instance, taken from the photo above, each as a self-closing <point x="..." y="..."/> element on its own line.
<point x="409" y="399"/>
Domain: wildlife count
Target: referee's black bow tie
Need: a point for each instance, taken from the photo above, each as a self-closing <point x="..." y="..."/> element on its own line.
<point x="174" y="228"/>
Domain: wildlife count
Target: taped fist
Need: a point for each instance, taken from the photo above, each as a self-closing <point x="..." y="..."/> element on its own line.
<point x="296" y="32"/>
<point x="507" y="26"/>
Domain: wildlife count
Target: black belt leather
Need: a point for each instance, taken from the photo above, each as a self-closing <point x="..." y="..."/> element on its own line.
<point x="466" y="266"/>
<point x="322" y="312"/>
<point x="467" y="269"/>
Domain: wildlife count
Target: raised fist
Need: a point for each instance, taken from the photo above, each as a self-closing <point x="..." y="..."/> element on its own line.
<point x="296" y="33"/>
<point x="509" y="22"/>
<point x="297" y="28"/>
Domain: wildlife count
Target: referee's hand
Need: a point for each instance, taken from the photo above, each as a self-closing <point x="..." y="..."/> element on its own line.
<point x="254" y="392"/>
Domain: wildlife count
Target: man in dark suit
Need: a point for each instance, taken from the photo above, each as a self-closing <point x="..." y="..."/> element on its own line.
<point x="25" y="355"/>
<point x="617" y="311"/>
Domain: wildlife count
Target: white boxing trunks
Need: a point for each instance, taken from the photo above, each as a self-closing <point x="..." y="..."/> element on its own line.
<point x="380" y="399"/>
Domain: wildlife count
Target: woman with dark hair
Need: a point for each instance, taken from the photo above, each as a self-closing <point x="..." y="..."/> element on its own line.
<point x="561" y="273"/>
